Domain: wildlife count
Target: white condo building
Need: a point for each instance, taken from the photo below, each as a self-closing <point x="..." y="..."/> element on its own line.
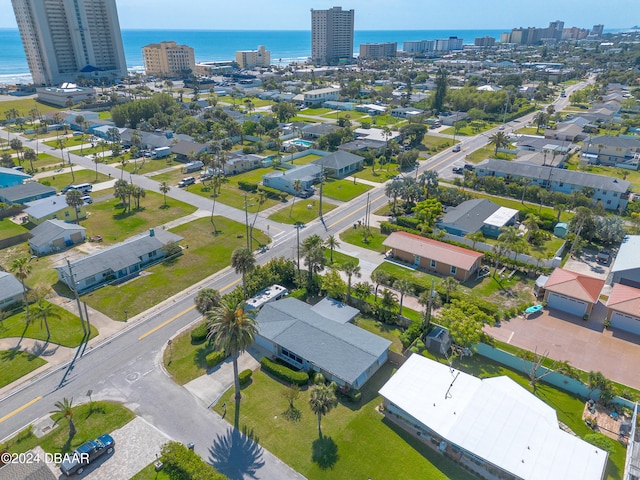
<point x="168" y="59"/>
<point x="331" y="36"/>
<point x="67" y="39"/>
<point x="253" y="58"/>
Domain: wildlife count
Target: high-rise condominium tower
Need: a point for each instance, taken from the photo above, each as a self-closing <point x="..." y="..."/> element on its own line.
<point x="67" y="39"/>
<point x="331" y="36"/>
<point x="168" y="59"/>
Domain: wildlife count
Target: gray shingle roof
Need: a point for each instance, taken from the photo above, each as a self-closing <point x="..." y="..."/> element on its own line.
<point x="48" y="231"/>
<point x="187" y="148"/>
<point x="320" y="128"/>
<point x="46" y="206"/>
<point x="335" y="310"/>
<point x="19" y="193"/>
<point x="470" y="215"/>
<point x="344" y="350"/>
<point x="338" y="160"/>
<point x="628" y="258"/>
<point x="26" y="471"/>
<point x="10" y="286"/>
<point x="571" y="177"/>
<point x="611" y="141"/>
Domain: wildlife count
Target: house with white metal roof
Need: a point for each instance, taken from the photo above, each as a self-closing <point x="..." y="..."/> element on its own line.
<point x="626" y="267"/>
<point x="491" y="426"/>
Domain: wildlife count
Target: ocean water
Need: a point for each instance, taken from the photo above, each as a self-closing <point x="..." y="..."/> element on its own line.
<point x="286" y="46"/>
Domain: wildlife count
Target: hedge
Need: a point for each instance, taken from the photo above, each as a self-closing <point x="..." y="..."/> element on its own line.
<point x="245" y="376"/>
<point x="284" y="373"/>
<point x="387" y="227"/>
<point x="271" y="192"/>
<point x="214" y="358"/>
<point x="408" y="222"/>
<point x="199" y="334"/>
<point x="248" y="186"/>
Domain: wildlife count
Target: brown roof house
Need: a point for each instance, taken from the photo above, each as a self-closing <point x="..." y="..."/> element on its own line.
<point x="439" y="257"/>
<point x="623" y="308"/>
<point x="572" y="292"/>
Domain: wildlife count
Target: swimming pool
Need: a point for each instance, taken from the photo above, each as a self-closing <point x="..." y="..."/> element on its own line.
<point x="302" y="143"/>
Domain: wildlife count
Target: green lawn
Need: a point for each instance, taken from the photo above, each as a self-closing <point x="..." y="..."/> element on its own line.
<point x="414" y="276"/>
<point x="300" y="211"/>
<point x="149" y="473"/>
<point x="42" y="274"/>
<point x="468" y="130"/>
<point x="527" y="207"/>
<point x="304" y="160"/>
<point x="367" y="445"/>
<point x="339" y="258"/>
<point x="104" y="115"/>
<point x="65" y="327"/>
<point x="386" y="120"/>
<point x="79" y="176"/>
<point x="348" y="114"/>
<point x="91" y="421"/>
<point x="15" y="364"/>
<point x="172" y="177"/>
<point x="143" y="165"/>
<point x="314" y="111"/>
<point x="529" y="131"/>
<point x="25" y="105"/>
<point x="435" y="144"/>
<point x="68" y="141"/>
<point x="108" y="220"/>
<point x="9" y="229"/>
<point x="632" y="176"/>
<point x="548" y="248"/>
<point x="354" y="236"/>
<point x="231" y="195"/>
<point x="203" y="255"/>
<point x="344" y="190"/>
<point x="185" y="361"/>
<point x="485" y="152"/>
<point x="384" y="330"/>
<point x="381" y="174"/>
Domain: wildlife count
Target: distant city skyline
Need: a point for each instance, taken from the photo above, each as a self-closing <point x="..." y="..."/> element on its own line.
<point x="369" y="14"/>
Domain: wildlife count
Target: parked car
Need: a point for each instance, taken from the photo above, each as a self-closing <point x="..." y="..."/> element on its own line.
<point x="87" y="199"/>
<point x="186" y="181"/>
<point x="305" y="193"/>
<point x="469" y="167"/>
<point x="86" y="453"/>
<point x="456" y="148"/>
<point x="458" y="170"/>
<point x="603" y="256"/>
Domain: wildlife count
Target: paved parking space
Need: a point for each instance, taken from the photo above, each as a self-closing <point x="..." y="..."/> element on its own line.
<point x="587" y="264"/>
<point x="587" y="345"/>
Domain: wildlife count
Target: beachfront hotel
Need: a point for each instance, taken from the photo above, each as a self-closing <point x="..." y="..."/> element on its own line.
<point x="253" y="58"/>
<point x="331" y="36"/>
<point x="67" y="39"/>
<point x="167" y="59"/>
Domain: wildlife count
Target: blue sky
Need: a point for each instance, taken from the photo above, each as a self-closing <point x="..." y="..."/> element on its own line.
<point x="370" y="14"/>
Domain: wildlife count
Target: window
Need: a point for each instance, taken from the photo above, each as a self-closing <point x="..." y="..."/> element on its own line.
<point x="433" y="264"/>
<point x="453" y="270"/>
<point x="608" y="202"/>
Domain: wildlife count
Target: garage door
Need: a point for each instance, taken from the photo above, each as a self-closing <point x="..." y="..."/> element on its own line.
<point x="625" y="322"/>
<point x="567" y="304"/>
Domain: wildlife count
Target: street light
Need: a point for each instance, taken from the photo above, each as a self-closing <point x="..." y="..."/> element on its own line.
<point x="126" y="315"/>
<point x="298" y="226"/>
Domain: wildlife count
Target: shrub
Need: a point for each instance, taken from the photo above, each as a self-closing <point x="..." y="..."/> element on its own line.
<point x="284" y="373"/>
<point x="410" y="334"/>
<point x="408" y="222"/>
<point x="270" y="192"/>
<point x="214" y="358"/>
<point x="387" y="227"/>
<point x="601" y="441"/>
<point x="245" y="376"/>
<point x="180" y="462"/>
<point x="248" y="186"/>
<point x="318" y="379"/>
<point x="199" y="334"/>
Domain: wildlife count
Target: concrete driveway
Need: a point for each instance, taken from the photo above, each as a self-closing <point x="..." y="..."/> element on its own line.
<point x="587" y="345"/>
<point x="587" y="264"/>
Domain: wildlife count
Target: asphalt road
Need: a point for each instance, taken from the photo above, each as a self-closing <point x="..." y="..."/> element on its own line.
<point x="127" y="367"/>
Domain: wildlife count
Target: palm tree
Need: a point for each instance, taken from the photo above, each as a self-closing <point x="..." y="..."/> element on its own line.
<point x="207" y="299"/>
<point x="450" y="284"/>
<point x="403" y="286"/>
<point x="379" y="277"/>
<point x="74" y="200"/>
<point x="313" y="253"/>
<point x="475" y="237"/>
<point x="498" y="140"/>
<point x="233" y="329"/>
<point x="331" y="243"/>
<point x="532" y="222"/>
<point x="29" y="155"/>
<point x="297" y="188"/>
<point x="44" y="310"/>
<point x="65" y="409"/>
<point x="21" y="269"/>
<point x="322" y="400"/>
<point x="243" y="261"/>
<point x="351" y="269"/>
<point x="96" y="160"/>
<point x="429" y="182"/>
<point x="164" y="189"/>
<point x="540" y="119"/>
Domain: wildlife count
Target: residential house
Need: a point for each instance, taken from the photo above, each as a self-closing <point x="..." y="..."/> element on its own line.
<point x="626" y="267"/>
<point x="184" y="150"/>
<point x="432" y="255"/>
<point x="11" y="290"/>
<point x="340" y="164"/>
<point x="611" y="191"/>
<point x="363" y="145"/>
<point x="317" y="130"/>
<point x="371" y="109"/>
<point x="623" y="308"/>
<point x="468" y="217"/>
<point x="239" y="162"/>
<point x="52" y="208"/>
<point x="320" y="95"/>
<point x="531" y="143"/>
<point x="450" y="118"/>
<point x="375" y="134"/>
<point x="572" y="292"/>
<point x="35" y="470"/>
<point x="553" y="157"/>
<point x="612" y="151"/>
<point x="491" y="426"/>
<point x="566" y="132"/>
<point x="285" y="180"/>
<point x="320" y="339"/>
<point x="117" y="263"/>
<point x="10" y="177"/>
<point x="407" y="112"/>
<point x="55" y="235"/>
<point x="26" y="192"/>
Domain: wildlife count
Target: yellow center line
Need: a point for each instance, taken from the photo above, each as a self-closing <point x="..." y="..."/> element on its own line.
<point x="18" y="410"/>
<point x="354" y="211"/>
<point x="187" y="310"/>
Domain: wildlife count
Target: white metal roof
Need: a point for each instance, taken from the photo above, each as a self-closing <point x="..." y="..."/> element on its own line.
<point x="495" y="419"/>
<point x="500" y="217"/>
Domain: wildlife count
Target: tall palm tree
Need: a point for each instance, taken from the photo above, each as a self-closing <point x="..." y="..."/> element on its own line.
<point x="96" y="160"/>
<point x="321" y="401"/>
<point x="207" y="299"/>
<point x="243" y="261"/>
<point x="475" y="237"/>
<point x="74" y="200"/>
<point x="45" y="310"/>
<point x="379" y="277"/>
<point x="313" y="253"/>
<point x="331" y="243"/>
<point x="450" y="284"/>
<point x="64" y="408"/>
<point x="404" y="287"/>
<point x="164" y="189"/>
<point x="429" y="182"/>
<point x="498" y="140"/>
<point x="540" y="119"/>
<point x="351" y="269"/>
<point x="21" y="269"/>
<point x="297" y="188"/>
<point x="233" y="329"/>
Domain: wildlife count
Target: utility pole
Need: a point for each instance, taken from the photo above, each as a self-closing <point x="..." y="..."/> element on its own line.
<point x="86" y="336"/>
<point x="246" y="222"/>
<point x="298" y="226"/>
<point x="321" y="184"/>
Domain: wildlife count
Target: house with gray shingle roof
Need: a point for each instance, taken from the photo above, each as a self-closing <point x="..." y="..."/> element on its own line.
<point x="26" y="471"/>
<point x="27" y="192"/>
<point x="304" y="337"/>
<point x="55" y="235"/>
<point x="117" y="263"/>
<point x="612" y="192"/>
<point x="469" y="217"/>
<point x="317" y="130"/>
<point x="10" y="290"/>
<point x="285" y="180"/>
<point x="51" y="208"/>
<point x="340" y="164"/>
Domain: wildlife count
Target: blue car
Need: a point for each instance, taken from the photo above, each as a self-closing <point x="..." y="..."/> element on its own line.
<point x="77" y="461"/>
